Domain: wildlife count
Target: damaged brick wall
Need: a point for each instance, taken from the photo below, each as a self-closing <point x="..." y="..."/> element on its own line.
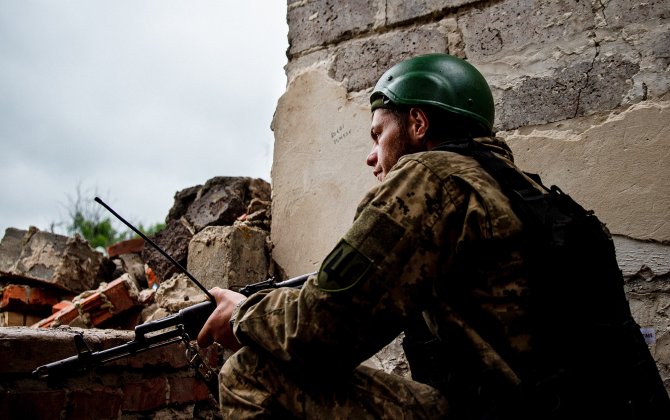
<point x="158" y="383"/>
<point x="54" y="287"/>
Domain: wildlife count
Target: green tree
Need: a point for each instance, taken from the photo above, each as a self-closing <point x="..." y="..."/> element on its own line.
<point x="86" y="219"/>
<point x="98" y="233"/>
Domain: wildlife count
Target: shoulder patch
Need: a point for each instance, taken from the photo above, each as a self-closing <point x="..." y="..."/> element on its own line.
<point x="343" y="268"/>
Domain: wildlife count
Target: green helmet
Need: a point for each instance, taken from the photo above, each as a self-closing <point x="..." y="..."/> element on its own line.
<point x="440" y="80"/>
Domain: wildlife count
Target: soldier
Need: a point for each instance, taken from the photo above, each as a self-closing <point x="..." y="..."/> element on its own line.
<point x="441" y="250"/>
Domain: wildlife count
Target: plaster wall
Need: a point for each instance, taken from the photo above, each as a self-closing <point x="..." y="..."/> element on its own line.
<point x="318" y="172"/>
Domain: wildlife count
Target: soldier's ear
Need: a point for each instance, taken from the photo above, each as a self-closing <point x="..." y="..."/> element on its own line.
<point x="417" y="126"/>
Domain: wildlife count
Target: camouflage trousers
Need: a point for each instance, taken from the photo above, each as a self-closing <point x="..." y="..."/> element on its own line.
<point x="254" y="385"/>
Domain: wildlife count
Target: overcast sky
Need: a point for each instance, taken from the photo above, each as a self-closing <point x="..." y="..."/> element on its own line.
<point x="133" y="101"/>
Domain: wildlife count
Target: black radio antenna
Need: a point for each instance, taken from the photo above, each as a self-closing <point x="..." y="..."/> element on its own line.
<point x="159" y="249"/>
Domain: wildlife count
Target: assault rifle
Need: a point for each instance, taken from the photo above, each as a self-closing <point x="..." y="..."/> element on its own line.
<point x="183" y="326"/>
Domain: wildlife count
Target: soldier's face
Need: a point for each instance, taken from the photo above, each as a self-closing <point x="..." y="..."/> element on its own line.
<point x="390" y="141"/>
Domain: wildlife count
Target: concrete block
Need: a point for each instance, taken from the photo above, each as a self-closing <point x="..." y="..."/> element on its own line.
<point x="399" y="11"/>
<point x="68" y="263"/>
<point x="223" y="199"/>
<point x="133" y="264"/>
<point x="10" y="248"/>
<point x="229" y="256"/>
<point x="617" y="14"/>
<point x="583" y="88"/>
<point x="22" y="349"/>
<point x="219" y="202"/>
<point x="318" y="23"/>
<point x="604" y="60"/>
<point x="138" y="386"/>
<point x="508" y="27"/>
<point x="174" y="241"/>
<point x="360" y="62"/>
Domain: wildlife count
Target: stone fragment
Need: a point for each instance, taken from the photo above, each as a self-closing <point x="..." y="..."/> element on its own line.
<point x="66" y="262"/>
<point x="134" y="265"/>
<point x="174" y="241"/>
<point x="223" y="199"/>
<point x="177" y="293"/>
<point x="10" y="248"/>
<point x="219" y="202"/>
<point x="229" y="256"/>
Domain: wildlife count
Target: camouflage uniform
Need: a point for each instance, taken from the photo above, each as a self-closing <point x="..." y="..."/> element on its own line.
<point x="437" y="242"/>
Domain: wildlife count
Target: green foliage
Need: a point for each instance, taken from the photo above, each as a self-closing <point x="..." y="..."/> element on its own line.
<point x="86" y="219"/>
<point x="152" y="229"/>
<point x="96" y="231"/>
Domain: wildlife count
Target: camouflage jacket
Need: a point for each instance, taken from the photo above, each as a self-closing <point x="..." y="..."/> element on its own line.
<point x="438" y="241"/>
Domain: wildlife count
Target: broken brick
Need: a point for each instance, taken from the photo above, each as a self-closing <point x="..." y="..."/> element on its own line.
<point x="26" y="298"/>
<point x="96" y="308"/>
<point x="152" y="279"/>
<point x="60" y="306"/>
<point x="131" y="246"/>
<point x="63" y="317"/>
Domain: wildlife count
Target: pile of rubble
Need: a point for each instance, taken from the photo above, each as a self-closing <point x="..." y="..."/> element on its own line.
<point x="219" y="231"/>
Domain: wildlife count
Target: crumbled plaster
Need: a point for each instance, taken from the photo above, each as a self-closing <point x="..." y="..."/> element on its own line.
<point x="615" y="165"/>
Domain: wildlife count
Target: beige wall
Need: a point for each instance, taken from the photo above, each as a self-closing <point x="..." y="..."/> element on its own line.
<point x="319" y="171"/>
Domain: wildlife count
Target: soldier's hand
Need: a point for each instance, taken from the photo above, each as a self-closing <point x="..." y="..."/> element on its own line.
<point x="217" y="328"/>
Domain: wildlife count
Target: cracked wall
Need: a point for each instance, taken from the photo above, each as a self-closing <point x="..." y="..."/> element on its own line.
<point x="581" y="92"/>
